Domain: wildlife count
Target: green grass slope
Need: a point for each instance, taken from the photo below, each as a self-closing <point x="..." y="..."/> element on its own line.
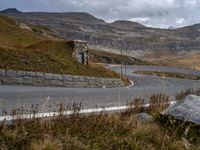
<point x="11" y="35"/>
<point x="22" y="49"/>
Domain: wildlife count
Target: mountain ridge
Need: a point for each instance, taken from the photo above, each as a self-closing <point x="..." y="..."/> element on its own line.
<point x="15" y="10"/>
<point x="131" y="37"/>
<point x="10" y="10"/>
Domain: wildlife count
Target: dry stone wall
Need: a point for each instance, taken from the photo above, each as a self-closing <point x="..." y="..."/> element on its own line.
<point x="10" y="77"/>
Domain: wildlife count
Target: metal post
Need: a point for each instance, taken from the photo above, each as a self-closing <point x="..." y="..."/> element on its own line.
<point x="121" y="65"/>
<point x="125" y="70"/>
<point x="121" y="60"/>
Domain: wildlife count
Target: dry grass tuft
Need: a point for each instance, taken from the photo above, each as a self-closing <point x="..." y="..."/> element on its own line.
<point x="167" y="59"/>
<point x="169" y="74"/>
<point x="184" y="94"/>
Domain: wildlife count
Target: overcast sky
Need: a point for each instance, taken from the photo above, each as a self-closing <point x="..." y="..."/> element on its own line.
<point x="156" y="13"/>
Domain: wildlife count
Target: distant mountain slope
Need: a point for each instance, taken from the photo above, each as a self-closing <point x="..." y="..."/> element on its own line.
<point x="10" y="11"/>
<point x="123" y="24"/>
<point x="133" y="38"/>
<point x="13" y="36"/>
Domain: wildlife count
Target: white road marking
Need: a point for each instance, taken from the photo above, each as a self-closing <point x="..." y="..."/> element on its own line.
<point x="16" y="90"/>
<point x="132" y="84"/>
<point x="54" y="114"/>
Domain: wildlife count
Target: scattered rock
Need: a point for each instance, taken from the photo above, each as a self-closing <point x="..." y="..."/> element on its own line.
<point x="144" y="117"/>
<point x="11" y="73"/>
<point x="187" y="110"/>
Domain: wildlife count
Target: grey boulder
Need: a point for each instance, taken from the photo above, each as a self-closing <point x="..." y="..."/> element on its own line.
<point x="144" y="117"/>
<point x="187" y="110"/>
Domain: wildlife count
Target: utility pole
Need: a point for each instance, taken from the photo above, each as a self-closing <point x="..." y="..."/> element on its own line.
<point x="121" y="59"/>
<point x="121" y="65"/>
<point x="125" y="70"/>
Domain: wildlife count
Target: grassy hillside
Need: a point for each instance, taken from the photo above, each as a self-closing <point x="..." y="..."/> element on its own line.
<point x="13" y="36"/>
<point x="22" y="49"/>
<point x="48" y="56"/>
<point x="169" y="75"/>
<point x="189" y="61"/>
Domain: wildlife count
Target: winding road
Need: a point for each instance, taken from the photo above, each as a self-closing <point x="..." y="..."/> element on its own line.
<point x="48" y="98"/>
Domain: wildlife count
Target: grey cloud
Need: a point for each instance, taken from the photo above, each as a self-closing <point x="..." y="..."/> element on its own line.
<point x="156" y="13"/>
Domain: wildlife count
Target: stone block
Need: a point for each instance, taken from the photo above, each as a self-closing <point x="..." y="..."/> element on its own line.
<point x="108" y="86"/>
<point x="103" y="82"/>
<point x="2" y="80"/>
<point x="10" y="73"/>
<point x="2" y="73"/>
<point x="78" y="85"/>
<point x="48" y="76"/>
<point x="67" y="78"/>
<point x="38" y="81"/>
<point x="87" y="85"/>
<point x="122" y="84"/>
<point x="66" y="84"/>
<point x="56" y="83"/>
<point x="99" y="79"/>
<point x="12" y="80"/>
<point x="87" y="79"/>
<point x="82" y="79"/>
<point x="39" y="74"/>
<point x="47" y="82"/>
<point x="95" y="86"/>
<point x="92" y="78"/>
<point x="76" y="78"/>
<point x="27" y="80"/>
<point x="21" y="73"/>
<point x="57" y="77"/>
<point x="31" y="74"/>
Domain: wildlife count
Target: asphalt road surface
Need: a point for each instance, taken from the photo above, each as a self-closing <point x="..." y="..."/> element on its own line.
<point x="47" y="99"/>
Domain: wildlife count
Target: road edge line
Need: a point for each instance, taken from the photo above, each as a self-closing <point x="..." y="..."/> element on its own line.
<point x="132" y="84"/>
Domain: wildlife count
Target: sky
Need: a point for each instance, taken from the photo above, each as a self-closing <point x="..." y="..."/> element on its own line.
<point x="154" y="13"/>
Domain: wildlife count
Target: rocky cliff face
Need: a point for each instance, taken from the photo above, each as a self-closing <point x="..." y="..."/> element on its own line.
<point x="132" y="38"/>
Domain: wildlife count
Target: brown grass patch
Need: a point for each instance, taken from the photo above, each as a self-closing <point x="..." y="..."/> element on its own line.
<point x="169" y="74"/>
<point x="191" y="61"/>
<point x="187" y="92"/>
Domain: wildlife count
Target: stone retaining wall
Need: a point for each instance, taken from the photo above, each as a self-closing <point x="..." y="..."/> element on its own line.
<point x="9" y="77"/>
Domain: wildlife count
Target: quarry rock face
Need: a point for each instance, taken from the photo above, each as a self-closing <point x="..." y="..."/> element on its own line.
<point x="131" y="37"/>
<point x="187" y="110"/>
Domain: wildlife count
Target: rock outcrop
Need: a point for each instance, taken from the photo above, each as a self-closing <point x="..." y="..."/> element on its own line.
<point x="187" y="110"/>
